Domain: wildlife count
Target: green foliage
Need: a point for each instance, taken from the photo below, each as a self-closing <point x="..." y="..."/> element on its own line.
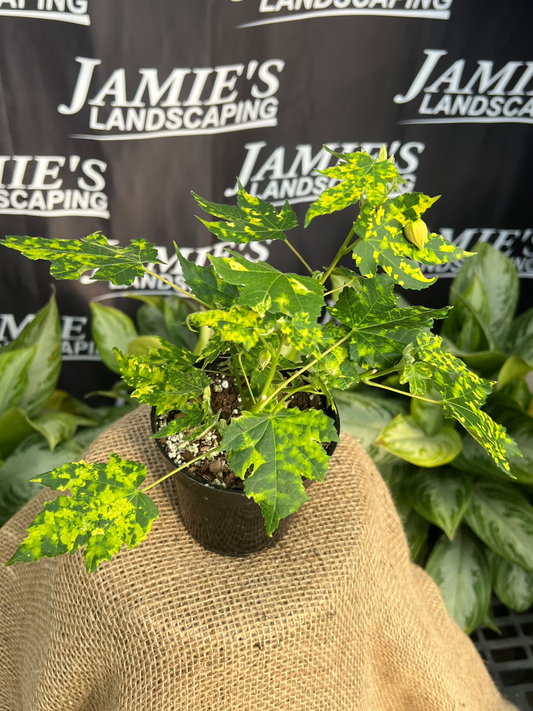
<point x="280" y="446"/>
<point x="265" y="328"/>
<point x="105" y="511"/>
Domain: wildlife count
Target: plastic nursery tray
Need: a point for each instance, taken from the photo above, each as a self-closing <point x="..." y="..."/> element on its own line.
<point x="509" y="656"/>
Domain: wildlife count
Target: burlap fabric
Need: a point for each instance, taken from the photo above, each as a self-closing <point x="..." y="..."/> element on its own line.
<point x="335" y="618"/>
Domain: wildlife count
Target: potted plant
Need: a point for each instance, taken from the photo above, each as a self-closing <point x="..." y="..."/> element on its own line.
<point x="468" y="523"/>
<point x="270" y="347"/>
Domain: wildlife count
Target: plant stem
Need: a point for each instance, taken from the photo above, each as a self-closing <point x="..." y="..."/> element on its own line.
<point x="339" y="287"/>
<point x="237" y="377"/>
<point x="303" y="388"/>
<point x="379" y="374"/>
<point x="183" y="466"/>
<point x="302" y="260"/>
<point x="402" y="392"/>
<point x="271" y="374"/>
<point x="338" y="257"/>
<point x="246" y="378"/>
<point x="182" y="291"/>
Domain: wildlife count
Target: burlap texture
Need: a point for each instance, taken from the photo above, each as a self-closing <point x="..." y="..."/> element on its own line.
<point x="335" y="618"/>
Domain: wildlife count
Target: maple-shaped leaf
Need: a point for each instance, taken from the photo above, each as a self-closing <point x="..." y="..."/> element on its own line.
<point x="206" y="284"/>
<point x="71" y="258"/>
<point x="268" y="290"/>
<point x="105" y="511"/>
<point x="379" y="329"/>
<point x="193" y="414"/>
<point x="335" y="369"/>
<point x="360" y="175"/>
<point x="303" y="334"/>
<point x="165" y="378"/>
<point x="463" y="394"/>
<point x="382" y="242"/>
<point x="251" y="220"/>
<point x="279" y="448"/>
<point x="238" y="324"/>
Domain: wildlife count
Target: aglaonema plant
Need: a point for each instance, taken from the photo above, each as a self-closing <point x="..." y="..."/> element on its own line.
<point x="268" y="333"/>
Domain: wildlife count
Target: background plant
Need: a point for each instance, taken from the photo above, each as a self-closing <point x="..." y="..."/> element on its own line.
<point x="267" y="334"/>
<point x="470" y="526"/>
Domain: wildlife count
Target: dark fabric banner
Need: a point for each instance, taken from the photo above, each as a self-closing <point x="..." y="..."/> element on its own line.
<point x="112" y="111"/>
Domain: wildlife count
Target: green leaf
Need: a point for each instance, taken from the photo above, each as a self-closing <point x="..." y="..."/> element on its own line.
<point x="416" y="529"/>
<point x="461" y="571"/>
<point x="497" y="275"/>
<point x="237" y="325"/>
<point x="463" y="394"/>
<point x="165" y="378"/>
<point x="469" y="324"/>
<point x="334" y="370"/>
<point x="15" y="426"/>
<point x="253" y="220"/>
<point x="193" y="415"/>
<point x="427" y="415"/>
<point x="405" y="439"/>
<point x="382" y="242"/>
<point x="267" y="289"/>
<point x="503" y="519"/>
<point x="71" y="258"/>
<point x="31" y="458"/>
<point x="520" y="340"/>
<point x="111" y="329"/>
<point x="143" y="345"/>
<point x="176" y="311"/>
<point x="514" y="367"/>
<point x="303" y="335"/>
<point x="364" y="417"/>
<point x="279" y="448"/>
<point x="206" y="284"/>
<point x="360" y="174"/>
<point x="43" y="333"/>
<point x="56" y="427"/>
<point x="105" y="512"/>
<point x="441" y="497"/>
<point x="14" y="369"/>
<point x="512" y="584"/>
<point x="379" y="329"/>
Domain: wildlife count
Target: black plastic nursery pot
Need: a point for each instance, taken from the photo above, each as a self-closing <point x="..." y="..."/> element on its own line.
<point x="226" y="521"/>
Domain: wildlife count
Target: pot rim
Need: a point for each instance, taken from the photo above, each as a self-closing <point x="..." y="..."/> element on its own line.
<point x="333" y="414"/>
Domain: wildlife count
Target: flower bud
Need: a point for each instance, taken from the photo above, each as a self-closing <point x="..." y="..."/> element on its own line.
<point x="383" y="153"/>
<point x="264" y="359"/>
<point x="417" y="233"/>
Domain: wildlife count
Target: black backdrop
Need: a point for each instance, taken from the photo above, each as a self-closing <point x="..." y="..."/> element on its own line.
<point x="111" y="111"/>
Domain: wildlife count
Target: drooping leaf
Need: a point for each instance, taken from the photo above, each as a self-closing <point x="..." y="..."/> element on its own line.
<point x="14" y="369"/>
<point x="428" y="415"/>
<point x="267" y="289"/>
<point x="236" y="325"/>
<point x="379" y="329"/>
<point x="360" y="174"/>
<point x="503" y="519"/>
<point x="382" y="242"/>
<point x="497" y="274"/>
<point x="514" y="368"/>
<point x="71" y="258"/>
<point x="252" y="220"/>
<point x="461" y="571"/>
<point x="111" y="328"/>
<point x="279" y="448"/>
<point x="416" y="528"/>
<point x="463" y="394"/>
<point x="205" y="283"/>
<point x="56" y="427"/>
<point x="166" y="378"/>
<point x="441" y="496"/>
<point x="404" y="438"/>
<point x="43" y="333"/>
<point x="29" y="459"/>
<point x="105" y="511"/>
<point x="512" y="584"/>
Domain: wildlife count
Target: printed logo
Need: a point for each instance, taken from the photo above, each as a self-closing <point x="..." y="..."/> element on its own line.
<point x="188" y="102"/>
<point x="515" y="244"/>
<point x="37" y="185"/>
<point x="458" y="95"/>
<point x="291" y="173"/>
<point x="296" y="10"/>
<point x="74" y="11"/>
<point x="75" y="344"/>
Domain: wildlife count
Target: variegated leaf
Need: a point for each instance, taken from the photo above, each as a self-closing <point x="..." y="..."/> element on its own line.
<point x="278" y="449"/>
<point x="512" y="584"/>
<point x="360" y="175"/>
<point x="71" y="258"/>
<point x="335" y="369"/>
<point x="404" y="438"/>
<point x="165" y="378"/>
<point x="236" y="325"/>
<point x="252" y="220"/>
<point x="105" y="511"/>
<point x="461" y="570"/>
<point x="268" y="290"/>
<point x="415" y="527"/>
<point x="463" y="394"/>
<point x="206" y="284"/>
<point x="382" y="242"/>
<point x="303" y="335"/>
<point x="379" y="329"/>
<point x="441" y="496"/>
<point x="14" y="369"/>
<point x="503" y="519"/>
<point x="111" y="328"/>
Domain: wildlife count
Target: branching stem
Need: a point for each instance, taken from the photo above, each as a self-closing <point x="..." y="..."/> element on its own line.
<point x="178" y="469"/>
<point x="302" y="260"/>
<point x="338" y="257"/>
<point x="177" y="288"/>
<point x="402" y="392"/>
